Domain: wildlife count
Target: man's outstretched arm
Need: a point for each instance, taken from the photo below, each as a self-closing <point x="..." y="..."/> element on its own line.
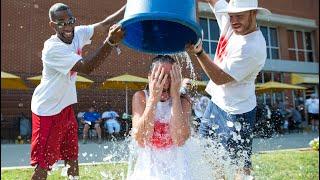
<point x="87" y="64"/>
<point x="212" y="2"/>
<point x="101" y="27"/>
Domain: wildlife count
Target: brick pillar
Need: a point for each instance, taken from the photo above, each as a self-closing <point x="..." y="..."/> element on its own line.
<point x="283" y="41"/>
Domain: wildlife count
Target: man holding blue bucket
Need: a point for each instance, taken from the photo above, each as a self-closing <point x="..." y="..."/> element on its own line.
<point x="240" y="55"/>
<point x="54" y="126"/>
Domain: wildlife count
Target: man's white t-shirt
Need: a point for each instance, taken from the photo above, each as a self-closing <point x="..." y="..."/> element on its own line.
<point x="242" y="57"/>
<point x="57" y="88"/>
<point x="312" y="105"/>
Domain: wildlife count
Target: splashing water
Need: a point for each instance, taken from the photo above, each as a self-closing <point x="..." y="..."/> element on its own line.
<point x="65" y="170"/>
<point x="230" y="124"/>
<point x="207" y="159"/>
<point x="182" y="58"/>
<point x="237" y="125"/>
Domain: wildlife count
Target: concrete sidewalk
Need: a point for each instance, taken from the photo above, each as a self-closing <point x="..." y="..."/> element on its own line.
<point x="18" y="155"/>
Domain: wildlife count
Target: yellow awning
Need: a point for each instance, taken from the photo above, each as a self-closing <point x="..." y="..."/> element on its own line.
<point x="304" y="78"/>
<point x="11" y="81"/>
<point x="272" y="86"/>
<point x="199" y="85"/>
<point x="81" y="82"/>
<point x="125" y="81"/>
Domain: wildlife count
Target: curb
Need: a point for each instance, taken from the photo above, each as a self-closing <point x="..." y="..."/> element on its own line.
<point x="283" y="150"/>
<point x="62" y="165"/>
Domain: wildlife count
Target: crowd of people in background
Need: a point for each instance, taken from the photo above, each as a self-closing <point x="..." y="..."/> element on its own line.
<point x="94" y="120"/>
<point x="284" y="117"/>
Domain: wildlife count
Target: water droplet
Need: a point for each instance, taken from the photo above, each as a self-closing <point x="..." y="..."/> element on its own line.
<point x="195" y="123"/>
<point x="36" y="6"/>
<point x="229" y="124"/>
<point x="107" y="158"/>
<point x="84" y="154"/>
<point x="237" y="125"/>
<point x="54" y="167"/>
<point x="215" y="126"/>
<point x="104" y="174"/>
<point x="64" y="171"/>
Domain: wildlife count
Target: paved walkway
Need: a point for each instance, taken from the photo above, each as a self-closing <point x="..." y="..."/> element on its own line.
<point x="18" y="155"/>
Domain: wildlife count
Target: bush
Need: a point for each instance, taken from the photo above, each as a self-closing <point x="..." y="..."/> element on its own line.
<point x="314" y="144"/>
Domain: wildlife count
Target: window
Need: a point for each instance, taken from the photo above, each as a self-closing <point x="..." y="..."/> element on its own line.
<point x="267" y="76"/>
<point x="259" y="78"/>
<point x="278" y="77"/>
<point x="300" y="46"/>
<point x="211" y="33"/>
<point x="271" y="36"/>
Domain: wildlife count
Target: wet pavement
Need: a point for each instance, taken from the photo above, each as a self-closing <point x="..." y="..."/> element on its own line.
<point x="13" y="155"/>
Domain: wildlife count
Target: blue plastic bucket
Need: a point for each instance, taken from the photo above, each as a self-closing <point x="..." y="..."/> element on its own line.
<point x="160" y="26"/>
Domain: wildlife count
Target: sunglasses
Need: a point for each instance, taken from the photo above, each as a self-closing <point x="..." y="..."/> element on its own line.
<point x="62" y="24"/>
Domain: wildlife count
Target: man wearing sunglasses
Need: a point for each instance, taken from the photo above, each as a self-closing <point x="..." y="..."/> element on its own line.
<point x="54" y="126"/>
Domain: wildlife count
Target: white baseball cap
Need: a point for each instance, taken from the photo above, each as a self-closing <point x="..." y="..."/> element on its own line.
<point x="236" y="6"/>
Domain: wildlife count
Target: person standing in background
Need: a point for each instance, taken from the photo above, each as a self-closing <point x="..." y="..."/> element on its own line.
<point x="312" y="106"/>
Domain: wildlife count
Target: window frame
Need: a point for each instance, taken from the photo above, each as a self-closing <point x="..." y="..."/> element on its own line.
<point x="270" y="47"/>
<point x="209" y="41"/>
<point x="304" y="50"/>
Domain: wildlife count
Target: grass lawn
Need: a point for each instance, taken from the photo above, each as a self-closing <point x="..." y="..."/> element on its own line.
<point x="287" y="165"/>
<point x="278" y="165"/>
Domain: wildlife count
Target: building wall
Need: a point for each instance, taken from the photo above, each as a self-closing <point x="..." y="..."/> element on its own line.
<point x="24" y="28"/>
<point x="306" y="9"/>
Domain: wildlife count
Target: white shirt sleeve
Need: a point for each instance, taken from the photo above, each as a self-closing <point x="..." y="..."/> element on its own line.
<point x="242" y="63"/>
<point x="59" y="57"/>
<point x="222" y="18"/>
<point x="86" y="33"/>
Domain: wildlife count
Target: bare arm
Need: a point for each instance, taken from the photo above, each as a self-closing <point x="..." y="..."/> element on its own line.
<point x="101" y="27"/>
<point x="217" y="75"/>
<point x="87" y="64"/>
<point x="179" y="124"/>
<point x="181" y="108"/>
<point x="143" y="118"/>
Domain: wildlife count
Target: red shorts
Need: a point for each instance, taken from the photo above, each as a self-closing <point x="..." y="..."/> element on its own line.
<point x="54" y="138"/>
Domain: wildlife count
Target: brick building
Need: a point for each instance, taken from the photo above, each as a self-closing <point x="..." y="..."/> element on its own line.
<point x="291" y="32"/>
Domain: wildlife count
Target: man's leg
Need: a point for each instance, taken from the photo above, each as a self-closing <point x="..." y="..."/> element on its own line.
<point x="245" y="145"/>
<point x="69" y="146"/>
<point x="85" y="133"/>
<point x="46" y="138"/>
<point x="116" y="127"/>
<point x="110" y="127"/>
<point x="74" y="168"/>
<point x="98" y="130"/>
<point x="39" y="174"/>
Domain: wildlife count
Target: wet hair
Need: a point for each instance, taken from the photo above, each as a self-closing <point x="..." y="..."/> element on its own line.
<point x="161" y="59"/>
<point x="56" y="8"/>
